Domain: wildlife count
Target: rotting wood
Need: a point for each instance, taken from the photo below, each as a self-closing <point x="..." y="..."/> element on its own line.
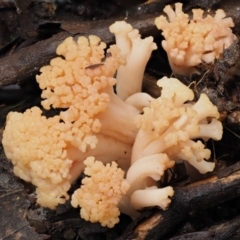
<point x="26" y="62"/>
<point x="221" y="231"/>
<point x="191" y="198"/>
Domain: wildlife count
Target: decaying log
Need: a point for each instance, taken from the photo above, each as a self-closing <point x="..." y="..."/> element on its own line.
<point x="26" y="62"/>
<point x="191" y="198"/>
<point x="218" y="232"/>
